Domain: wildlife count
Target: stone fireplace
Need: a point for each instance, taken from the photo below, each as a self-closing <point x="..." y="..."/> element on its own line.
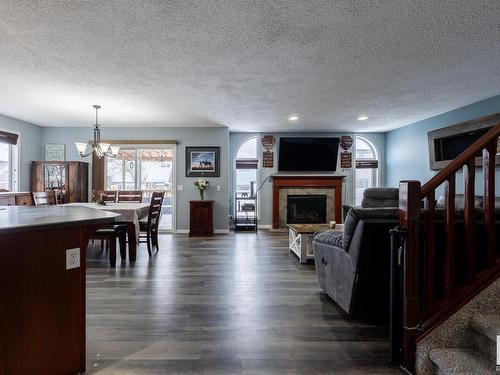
<point x="298" y="186"/>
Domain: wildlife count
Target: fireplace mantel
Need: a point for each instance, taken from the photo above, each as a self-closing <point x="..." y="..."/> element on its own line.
<point x="310" y="180"/>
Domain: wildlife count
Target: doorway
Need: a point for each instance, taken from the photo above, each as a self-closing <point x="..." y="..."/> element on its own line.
<point x="146" y="168"/>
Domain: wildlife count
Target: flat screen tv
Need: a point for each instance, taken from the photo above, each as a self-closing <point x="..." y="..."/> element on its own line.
<point x="308" y="154"/>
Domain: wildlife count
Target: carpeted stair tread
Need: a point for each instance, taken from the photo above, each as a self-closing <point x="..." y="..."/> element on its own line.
<point x="460" y="361"/>
<point x="488" y="325"/>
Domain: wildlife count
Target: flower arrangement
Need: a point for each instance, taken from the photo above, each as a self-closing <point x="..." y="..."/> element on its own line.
<point x="100" y="199"/>
<point x="202" y="185"/>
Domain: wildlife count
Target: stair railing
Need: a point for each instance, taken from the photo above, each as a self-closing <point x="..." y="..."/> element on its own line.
<point x="431" y="291"/>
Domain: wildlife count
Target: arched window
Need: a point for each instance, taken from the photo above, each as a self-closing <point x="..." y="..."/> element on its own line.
<point x="246" y="167"/>
<point x="366" y="167"/>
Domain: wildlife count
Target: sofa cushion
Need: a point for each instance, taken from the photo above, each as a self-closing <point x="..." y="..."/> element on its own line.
<point x="380" y="197"/>
<point x="459" y="202"/>
<point x="357" y="213"/>
<point x="329" y="237"/>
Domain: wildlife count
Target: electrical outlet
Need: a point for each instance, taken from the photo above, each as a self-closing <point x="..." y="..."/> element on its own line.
<point x="72" y="258"/>
<point x="218" y="187"/>
<point x="180" y="187"/>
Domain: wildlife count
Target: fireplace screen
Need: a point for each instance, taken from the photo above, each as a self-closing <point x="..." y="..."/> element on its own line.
<point x="306" y="209"/>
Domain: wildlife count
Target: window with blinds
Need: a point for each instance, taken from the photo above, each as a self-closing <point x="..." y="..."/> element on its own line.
<point x="8" y="138"/>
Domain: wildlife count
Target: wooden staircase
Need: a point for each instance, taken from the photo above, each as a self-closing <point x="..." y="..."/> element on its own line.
<point x="449" y="256"/>
<point x="478" y="359"/>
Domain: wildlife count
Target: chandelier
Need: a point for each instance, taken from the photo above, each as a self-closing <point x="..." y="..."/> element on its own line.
<point x="99" y="148"/>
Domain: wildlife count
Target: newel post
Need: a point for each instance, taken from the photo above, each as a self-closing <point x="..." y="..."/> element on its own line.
<point x="409" y="217"/>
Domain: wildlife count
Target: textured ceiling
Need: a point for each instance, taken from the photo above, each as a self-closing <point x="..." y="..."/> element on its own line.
<point x="247" y="65"/>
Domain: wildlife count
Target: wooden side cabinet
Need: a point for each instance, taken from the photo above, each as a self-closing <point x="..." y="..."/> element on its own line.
<point x="201" y="218"/>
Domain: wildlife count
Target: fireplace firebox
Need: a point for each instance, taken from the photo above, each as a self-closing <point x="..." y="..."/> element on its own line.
<point x="306" y="209"/>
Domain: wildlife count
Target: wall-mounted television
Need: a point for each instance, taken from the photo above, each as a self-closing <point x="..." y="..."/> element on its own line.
<point x="308" y="154"/>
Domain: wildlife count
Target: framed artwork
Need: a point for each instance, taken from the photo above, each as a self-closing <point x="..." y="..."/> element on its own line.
<point x="55" y="152"/>
<point x="202" y="161"/>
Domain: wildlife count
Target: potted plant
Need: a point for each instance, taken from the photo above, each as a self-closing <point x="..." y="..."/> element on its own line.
<point x="202" y="185"/>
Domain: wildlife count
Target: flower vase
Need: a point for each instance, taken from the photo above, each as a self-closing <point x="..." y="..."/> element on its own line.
<point x="202" y="194"/>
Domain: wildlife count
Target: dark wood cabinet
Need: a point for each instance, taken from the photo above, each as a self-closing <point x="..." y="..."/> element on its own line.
<point x="201" y="218"/>
<point x="16" y="199"/>
<point x="70" y="179"/>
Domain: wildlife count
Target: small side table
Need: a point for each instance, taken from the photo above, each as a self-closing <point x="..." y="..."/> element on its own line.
<point x="300" y="238"/>
<point x="201" y="218"/>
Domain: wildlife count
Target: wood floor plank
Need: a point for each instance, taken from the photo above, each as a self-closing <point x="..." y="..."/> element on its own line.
<point x="231" y="304"/>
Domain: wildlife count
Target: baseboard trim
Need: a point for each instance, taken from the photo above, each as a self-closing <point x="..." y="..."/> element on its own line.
<point x="216" y="231"/>
<point x="264" y="226"/>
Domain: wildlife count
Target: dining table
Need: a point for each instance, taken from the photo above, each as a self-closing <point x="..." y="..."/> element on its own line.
<point x="131" y="213"/>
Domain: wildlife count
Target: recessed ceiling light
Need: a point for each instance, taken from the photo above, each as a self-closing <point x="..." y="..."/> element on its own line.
<point x="293" y="118"/>
<point x="362" y="118"/>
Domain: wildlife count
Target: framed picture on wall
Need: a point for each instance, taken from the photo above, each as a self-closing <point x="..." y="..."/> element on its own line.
<point x="202" y="161"/>
<point x="55" y="152"/>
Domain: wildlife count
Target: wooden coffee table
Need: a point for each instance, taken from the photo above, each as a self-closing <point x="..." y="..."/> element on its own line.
<point x="300" y="238"/>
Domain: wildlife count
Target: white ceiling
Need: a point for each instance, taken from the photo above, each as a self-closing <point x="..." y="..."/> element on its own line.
<point x="247" y="65"/>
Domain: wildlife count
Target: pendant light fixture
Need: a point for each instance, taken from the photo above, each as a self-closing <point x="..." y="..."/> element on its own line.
<point x="99" y="148"/>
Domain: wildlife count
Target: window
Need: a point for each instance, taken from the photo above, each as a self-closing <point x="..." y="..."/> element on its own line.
<point x="5" y="160"/>
<point x="366" y="168"/>
<point x="146" y="169"/>
<point x="246" y="167"/>
<point x="121" y="171"/>
<point x="8" y="161"/>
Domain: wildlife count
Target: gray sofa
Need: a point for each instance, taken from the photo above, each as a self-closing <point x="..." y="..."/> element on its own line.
<point x="353" y="267"/>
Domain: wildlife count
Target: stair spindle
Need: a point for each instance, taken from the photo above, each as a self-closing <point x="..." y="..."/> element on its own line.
<point x="449" y="218"/>
<point x="469" y="224"/>
<point x="430" y="270"/>
<point x="489" y="155"/>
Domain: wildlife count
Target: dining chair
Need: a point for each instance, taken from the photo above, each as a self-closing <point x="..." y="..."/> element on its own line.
<point x="131" y="196"/>
<point x="44" y="198"/>
<point x="107" y="195"/>
<point x="110" y="234"/>
<point x="150" y="227"/>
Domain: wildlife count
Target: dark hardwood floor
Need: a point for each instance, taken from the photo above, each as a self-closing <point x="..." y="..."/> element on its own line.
<point x="231" y="304"/>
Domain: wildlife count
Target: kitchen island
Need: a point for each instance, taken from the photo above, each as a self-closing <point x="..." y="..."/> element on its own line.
<point x="42" y="287"/>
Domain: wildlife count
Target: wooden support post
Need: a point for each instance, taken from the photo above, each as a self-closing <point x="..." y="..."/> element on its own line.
<point x="409" y="217"/>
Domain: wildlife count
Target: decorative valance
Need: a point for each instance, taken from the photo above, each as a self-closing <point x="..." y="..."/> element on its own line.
<point x="366" y="164"/>
<point x="247" y="163"/>
<point x="9" y="138"/>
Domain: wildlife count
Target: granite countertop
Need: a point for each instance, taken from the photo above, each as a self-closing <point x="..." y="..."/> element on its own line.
<point x="18" y="218"/>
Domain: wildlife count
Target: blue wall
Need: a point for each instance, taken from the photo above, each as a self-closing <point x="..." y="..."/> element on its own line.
<point x="407" y="154"/>
<point x="184" y="136"/>
<point x="265" y="197"/>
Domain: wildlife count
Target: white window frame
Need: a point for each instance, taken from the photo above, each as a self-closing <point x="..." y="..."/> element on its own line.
<point x="376" y="172"/>
<point x="257" y="171"/>
<point x="14" y="157"/>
